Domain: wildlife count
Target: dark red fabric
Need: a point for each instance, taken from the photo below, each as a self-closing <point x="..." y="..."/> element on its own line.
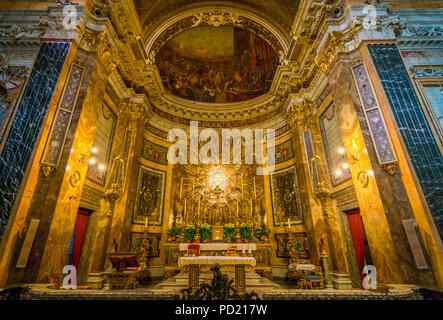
<point x="358" y="238"/>
<point x="81" y="224"/>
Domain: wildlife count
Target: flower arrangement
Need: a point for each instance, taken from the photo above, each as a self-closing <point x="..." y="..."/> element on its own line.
<point x="237" y="238"/>
<point x="205" y="231"/>
<point x="245" y="231"/>
<point x="262" y="233"/>
<point x="229" y="230"/>
<point x="190" y="232"/>
<point x="197" y="238"/>
<point x="173" y="232"/>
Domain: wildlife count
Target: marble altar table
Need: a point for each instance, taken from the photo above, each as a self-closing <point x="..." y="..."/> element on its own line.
<point x="194" y="264"/>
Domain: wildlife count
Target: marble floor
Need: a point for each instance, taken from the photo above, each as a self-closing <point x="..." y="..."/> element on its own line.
<point x="153" y="291"/>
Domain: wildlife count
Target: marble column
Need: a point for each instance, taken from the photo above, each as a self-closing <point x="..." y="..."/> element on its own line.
<point x="381" y="211"/>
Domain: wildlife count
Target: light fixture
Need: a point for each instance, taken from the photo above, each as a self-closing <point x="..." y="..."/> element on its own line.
<point x="93" y="150"/>
<point x="371" y="172"/>
<point x="68" y="168"/>
<point x="101" y="167"/>
<point x="92" y="161"/>
<point x="72" y="150"/>
<point x="341" y="150"/>
<point x="345" y="165"/>
<point x="338" y="172"/>
<point x="365" y="150"/>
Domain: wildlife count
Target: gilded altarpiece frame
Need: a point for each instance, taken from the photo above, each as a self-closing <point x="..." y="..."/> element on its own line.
<point x="149" y="201"/>
<point x="62" y="120"/>
<point x="285" y="197"/>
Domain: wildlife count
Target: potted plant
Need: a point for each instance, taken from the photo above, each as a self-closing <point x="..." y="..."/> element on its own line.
<point x="262" y="233"/>
<point x="205" y="230"/>
<point x="237" y="238"/>
<point x="229" y="230"/>
<point x="173" y="233"/>
<point x="245" y="231"/>
<point x="197" y="238"/>
<point x="189" y="233"/>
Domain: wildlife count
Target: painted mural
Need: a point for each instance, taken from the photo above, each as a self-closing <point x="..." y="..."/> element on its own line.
<point x="284" y="152"/>
<point x="300" y="245"/>
<point x="150" y="195"/>
<point x="154" y="152"/>
<point x="217" y="64"/>
<point x="285" y="197"/>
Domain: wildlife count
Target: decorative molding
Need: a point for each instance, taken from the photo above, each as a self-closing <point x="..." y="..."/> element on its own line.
<point x="47" y="170"/>
<point x="426" y="72"/>
<point x="75" y="178"/>
<point x="390" y="168"/>
<point x="363" y="179"/>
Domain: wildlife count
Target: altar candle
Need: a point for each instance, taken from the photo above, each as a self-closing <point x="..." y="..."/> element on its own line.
<point x="185" y="207"/>
<point x="181" y="187"/>
<point x="146" y="222"/>
<point x="251" y="208"/>
<point x="289" y="222"/>
<point x="255" y="190"/>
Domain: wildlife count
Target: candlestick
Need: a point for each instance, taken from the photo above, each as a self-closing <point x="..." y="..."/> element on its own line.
<point x="251" y="209"/>
<point x="198" y="219"/>
<point x="242" y="188"/>
<point x="185" y="209"/>
<point x="289" y="223"/>
<point x="181" y="187"/>
<point x="146" y="222"/>
<point x="255" y="190"/>
<point x="237" y="208"/>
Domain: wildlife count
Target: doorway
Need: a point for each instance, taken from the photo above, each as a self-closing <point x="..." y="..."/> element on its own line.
<point x="78" y="236"/>
<point x="359" y="240"/>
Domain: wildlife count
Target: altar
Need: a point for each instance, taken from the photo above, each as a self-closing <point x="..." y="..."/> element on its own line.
<point x="238" y="262"/>
<point x="261" y="252"/>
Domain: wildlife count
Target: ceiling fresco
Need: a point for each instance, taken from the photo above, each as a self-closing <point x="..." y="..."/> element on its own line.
<point x="217" y="64"/>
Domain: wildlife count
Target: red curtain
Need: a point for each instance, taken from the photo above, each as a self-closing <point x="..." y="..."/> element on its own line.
<point x="81" y="224"/>
<point x="358" y="238"/>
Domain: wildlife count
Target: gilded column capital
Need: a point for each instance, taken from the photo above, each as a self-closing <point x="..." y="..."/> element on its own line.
<point x="135" y="109"/>
<point x="301" y="112"/>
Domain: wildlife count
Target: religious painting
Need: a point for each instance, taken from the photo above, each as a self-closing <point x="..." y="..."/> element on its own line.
<point x="300" y="245"/>
<point x="154" y="240"/>
<point x="154" y="152"/>
<point x="150" y="197"/>
<point x="333" y="142"/>
<point x="217" y="194"/>
<point x="102" y="144"/>
<point x="284" y="152"/>
<point x="217" y="64"/>
<point x="285" y="196"/>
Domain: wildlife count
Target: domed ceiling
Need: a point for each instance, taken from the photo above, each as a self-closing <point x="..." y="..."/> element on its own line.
<point x="217" y="64"/>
